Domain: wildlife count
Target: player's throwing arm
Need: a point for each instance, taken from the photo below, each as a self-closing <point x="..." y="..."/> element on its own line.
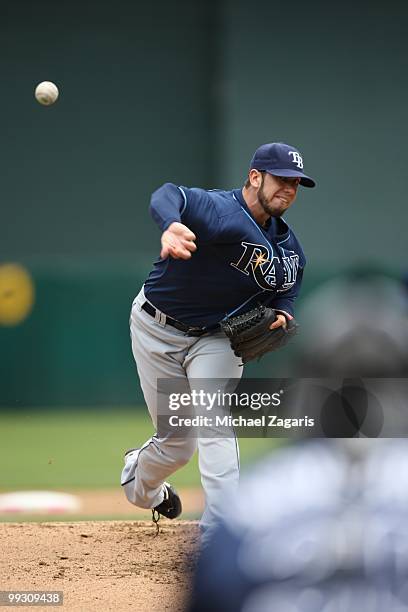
<point x="177" y="242"/>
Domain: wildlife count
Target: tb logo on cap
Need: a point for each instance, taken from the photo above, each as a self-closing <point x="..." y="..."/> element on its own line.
<point x="296" y="158"/>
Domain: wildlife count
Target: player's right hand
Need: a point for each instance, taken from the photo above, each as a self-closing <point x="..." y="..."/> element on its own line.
<point x="177" y="242"/>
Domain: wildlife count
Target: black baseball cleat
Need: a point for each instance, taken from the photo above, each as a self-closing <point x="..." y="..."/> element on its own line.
<point x="170" y="507"/>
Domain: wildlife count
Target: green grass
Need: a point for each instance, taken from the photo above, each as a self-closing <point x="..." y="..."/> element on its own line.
<point x="84" y="448"/>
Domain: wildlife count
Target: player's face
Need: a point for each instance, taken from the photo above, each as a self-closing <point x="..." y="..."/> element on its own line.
<point x="277" y="193"/>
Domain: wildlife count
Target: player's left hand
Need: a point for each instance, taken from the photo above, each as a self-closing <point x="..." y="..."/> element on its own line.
<point x="280" y="321"/>
<point x="257" y="332"/>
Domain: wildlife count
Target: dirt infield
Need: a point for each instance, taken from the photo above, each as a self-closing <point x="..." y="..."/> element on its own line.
<point x="102" y="502"/>
<point x="101" y="565"/>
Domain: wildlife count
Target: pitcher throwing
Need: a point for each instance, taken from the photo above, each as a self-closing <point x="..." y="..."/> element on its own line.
<point x="224" y="253"/>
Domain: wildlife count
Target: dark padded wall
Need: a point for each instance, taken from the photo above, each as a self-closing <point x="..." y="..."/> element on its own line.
<point x="134" y="111"/>
<point x="330" y="78"/>
<point x="181" y="91"/>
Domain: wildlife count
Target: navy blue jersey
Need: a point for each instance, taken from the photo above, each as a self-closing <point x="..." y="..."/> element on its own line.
<point x="315" y="528"/>
<point x="238" y="263"/>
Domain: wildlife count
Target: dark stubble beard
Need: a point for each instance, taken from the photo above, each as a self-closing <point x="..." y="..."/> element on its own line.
<point x="264" y="202"/>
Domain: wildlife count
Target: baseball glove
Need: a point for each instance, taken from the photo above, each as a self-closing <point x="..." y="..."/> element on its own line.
<point x="250" y="336"/>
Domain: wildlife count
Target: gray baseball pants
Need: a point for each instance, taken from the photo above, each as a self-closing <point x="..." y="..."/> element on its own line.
<point x="161" y="351"/>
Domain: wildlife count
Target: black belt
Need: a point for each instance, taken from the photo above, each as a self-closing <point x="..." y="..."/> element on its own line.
<point x="187" y="329"/>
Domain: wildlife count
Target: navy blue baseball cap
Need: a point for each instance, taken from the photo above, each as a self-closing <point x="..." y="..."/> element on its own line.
<point x="281" y="159"/>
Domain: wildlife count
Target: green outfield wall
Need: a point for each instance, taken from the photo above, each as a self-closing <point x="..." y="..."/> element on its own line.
<point x="181" y="91"/>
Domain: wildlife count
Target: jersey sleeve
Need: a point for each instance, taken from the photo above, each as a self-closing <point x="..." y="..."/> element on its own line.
<point x="165" y="205"/>
<point x="191" y="206"/>
<point x="284" y="302"/>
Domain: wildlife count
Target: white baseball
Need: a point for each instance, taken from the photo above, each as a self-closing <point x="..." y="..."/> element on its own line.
<point x="46" y="93"/>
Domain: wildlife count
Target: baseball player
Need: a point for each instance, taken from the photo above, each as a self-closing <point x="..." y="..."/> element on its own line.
<point x="223" y="253"/>
<point x="330" y="528"/>
<point x="317" y="527"/>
